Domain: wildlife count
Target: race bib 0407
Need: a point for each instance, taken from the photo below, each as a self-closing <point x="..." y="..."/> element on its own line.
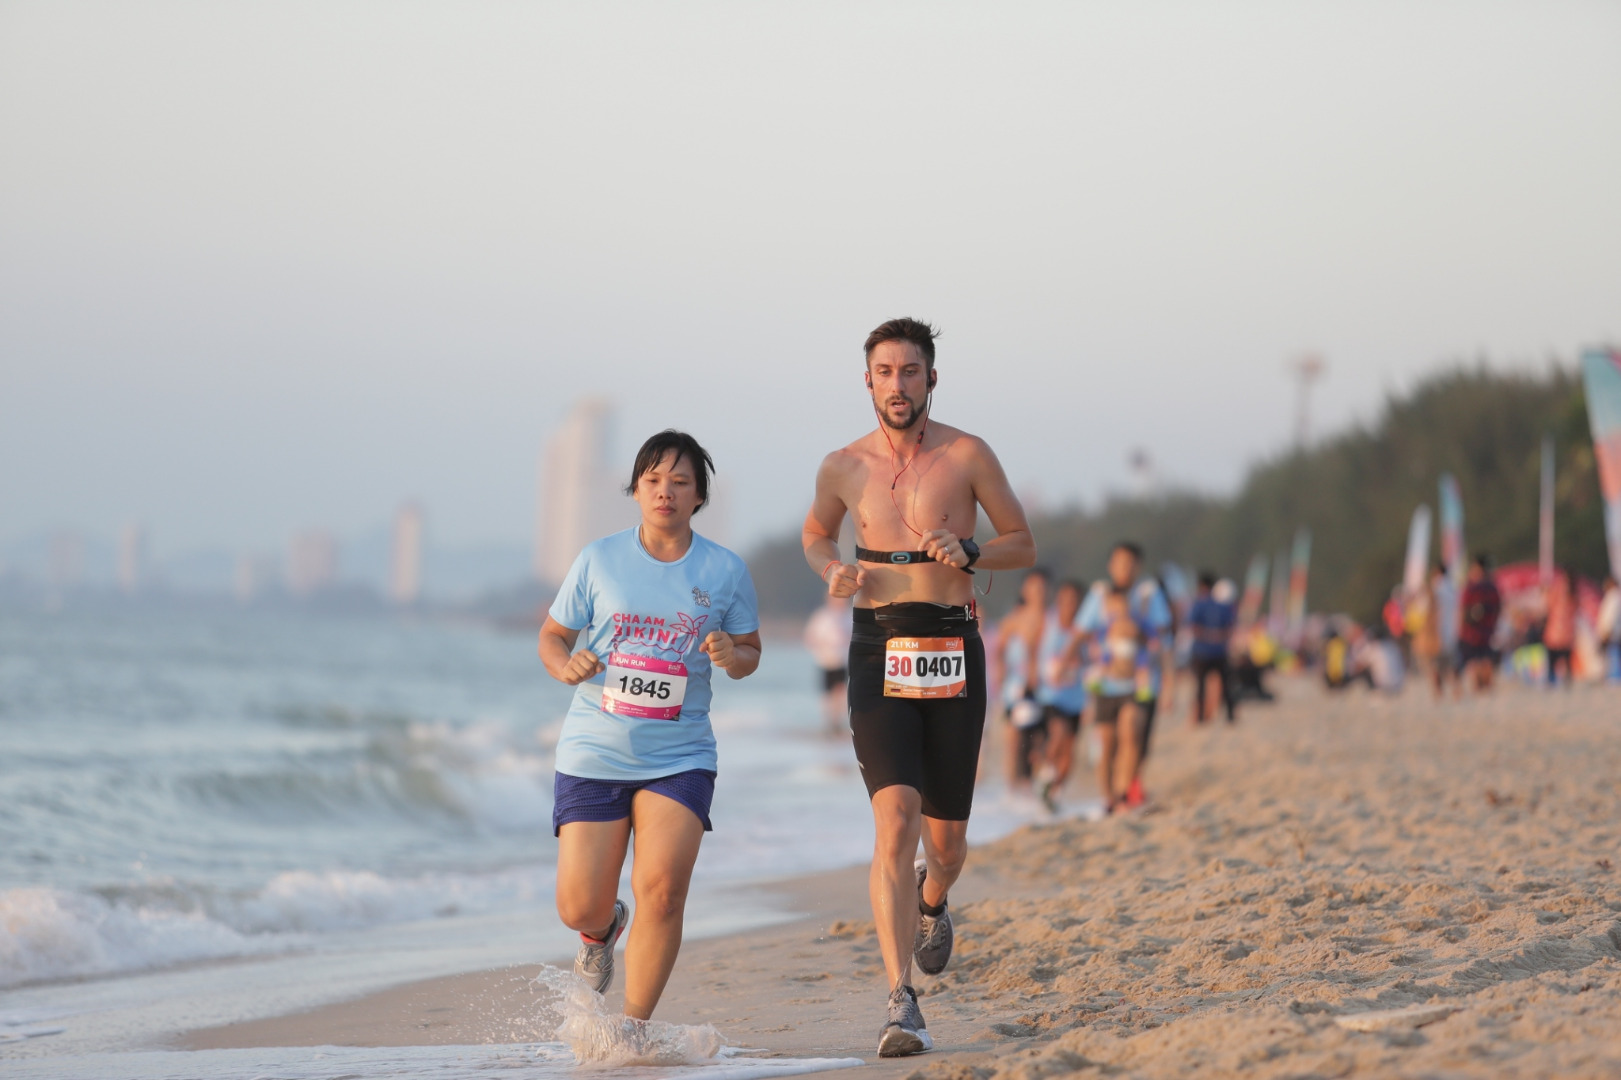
<point x="930" y="667"/>
<point x="643" y="687"/>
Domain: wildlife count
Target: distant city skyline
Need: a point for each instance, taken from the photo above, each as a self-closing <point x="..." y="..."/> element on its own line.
<point x="398" y="562"/>
<point x="576" y="498"/>
<point x="257" y="273"/>
<point x="405" y="585"/>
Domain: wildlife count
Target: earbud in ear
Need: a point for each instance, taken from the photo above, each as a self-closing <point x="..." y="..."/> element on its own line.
<point x="932" y="376"/>
<point x="869" y="380"/>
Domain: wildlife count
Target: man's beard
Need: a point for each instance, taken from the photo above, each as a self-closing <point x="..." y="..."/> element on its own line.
<point x="911" y="417"/>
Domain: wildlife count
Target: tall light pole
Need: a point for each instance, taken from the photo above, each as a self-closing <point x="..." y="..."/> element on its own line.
<point x="1307" y="369"/>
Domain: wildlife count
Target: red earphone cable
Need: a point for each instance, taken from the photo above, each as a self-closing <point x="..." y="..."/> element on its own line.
<point x="897" y="478"/>
<point x="928" y="407"/>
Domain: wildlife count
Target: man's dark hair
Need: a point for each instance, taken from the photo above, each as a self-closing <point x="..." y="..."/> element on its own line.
<point x="1483" y="560"/>
<point x="1038" y="571"/>
<point x="920" y="334"/>
<point x="1132" y="546"/>
<point x="679" y="445"/>
<point x="1073" y="583"/>
<point x="1207" y="579"/>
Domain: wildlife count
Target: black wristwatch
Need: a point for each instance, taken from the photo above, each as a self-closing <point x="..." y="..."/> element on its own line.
<point x="970" y="549"/>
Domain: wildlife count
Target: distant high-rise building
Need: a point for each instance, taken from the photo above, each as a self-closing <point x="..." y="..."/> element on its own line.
<point x="579" y="491"/>
<point x="312" y="562"/>
<point x="131" y="558"/>
<point x="247" y="581"/>
<point x="405" y="574"/>
<point x="66" y="569"/>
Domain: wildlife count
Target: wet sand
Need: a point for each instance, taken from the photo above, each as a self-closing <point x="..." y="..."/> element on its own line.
<point x="1329" y="864"/>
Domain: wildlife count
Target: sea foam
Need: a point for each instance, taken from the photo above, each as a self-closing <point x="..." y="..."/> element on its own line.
<point x="51" y="934"/>
<point x="48" y="934"/>
<point x="579" y="1017"/>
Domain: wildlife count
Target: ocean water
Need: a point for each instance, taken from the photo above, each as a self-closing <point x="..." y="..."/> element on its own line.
<point x="212" y="817"/>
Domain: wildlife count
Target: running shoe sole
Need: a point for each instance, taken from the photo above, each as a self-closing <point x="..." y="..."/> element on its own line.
<point x="905" y="1032"/>
<point x="896" y="1041"/>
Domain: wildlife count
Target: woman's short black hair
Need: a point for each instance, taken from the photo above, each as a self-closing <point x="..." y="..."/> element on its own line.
<point x="681" y="445"/>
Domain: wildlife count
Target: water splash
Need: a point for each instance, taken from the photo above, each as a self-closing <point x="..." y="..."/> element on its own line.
<point x="579" y="1017"/>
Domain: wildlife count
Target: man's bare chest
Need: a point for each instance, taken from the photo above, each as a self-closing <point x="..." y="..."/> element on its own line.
<point x="925" y="498"/>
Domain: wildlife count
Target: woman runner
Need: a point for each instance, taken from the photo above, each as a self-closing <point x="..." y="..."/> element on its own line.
<point x="661" y="608"/>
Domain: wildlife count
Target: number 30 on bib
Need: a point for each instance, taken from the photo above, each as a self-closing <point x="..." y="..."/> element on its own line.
<point x="930" y="667"/>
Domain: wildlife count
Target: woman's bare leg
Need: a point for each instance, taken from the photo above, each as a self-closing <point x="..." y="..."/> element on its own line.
<point x="590" y="855"/>
<point x="667" y="839"/>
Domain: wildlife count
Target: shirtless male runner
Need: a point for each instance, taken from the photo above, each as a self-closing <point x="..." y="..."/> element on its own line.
<point x="917" y="665"/>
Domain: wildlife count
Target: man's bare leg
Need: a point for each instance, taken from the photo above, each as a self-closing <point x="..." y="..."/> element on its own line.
<point x="897" y="813"/>
<point x="945" y="848"/>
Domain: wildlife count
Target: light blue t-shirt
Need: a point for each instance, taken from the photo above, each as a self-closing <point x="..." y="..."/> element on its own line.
<point x="1148" y="608"/>
<point x="1016" y="668"/>
<point x="1069" y="696"/>
<point x="625" y="600"/>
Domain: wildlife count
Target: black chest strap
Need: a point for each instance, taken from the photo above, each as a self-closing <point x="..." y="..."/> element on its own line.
<point x="897" y="558"/>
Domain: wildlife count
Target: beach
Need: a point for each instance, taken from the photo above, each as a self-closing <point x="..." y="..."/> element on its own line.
<point x="1443" y="875"/>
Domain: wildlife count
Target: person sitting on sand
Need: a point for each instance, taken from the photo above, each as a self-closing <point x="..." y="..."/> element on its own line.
<point x="661" y="608"/>
<point x="1336" y="660"/>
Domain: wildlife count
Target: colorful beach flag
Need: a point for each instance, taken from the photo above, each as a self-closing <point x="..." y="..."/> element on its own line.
<point x="1299" y="559"/>
<point x="1545" y="515"/>
<point x="1279" y="620"/>
<point x="1418" y="551"/>
<point x="1452" y="529"/>
<point x="1249" y="607"/>
<point x="1601" y="369"/>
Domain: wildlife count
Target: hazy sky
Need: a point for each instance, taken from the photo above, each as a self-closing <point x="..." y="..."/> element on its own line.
<point x="264" y="266"/>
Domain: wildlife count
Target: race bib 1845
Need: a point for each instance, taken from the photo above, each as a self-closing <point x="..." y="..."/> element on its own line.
<point x="643" y="687"/>
<point x="930" y="667"/>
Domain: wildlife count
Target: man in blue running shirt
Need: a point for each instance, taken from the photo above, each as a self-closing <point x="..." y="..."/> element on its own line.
<point x="1212" y="624"/>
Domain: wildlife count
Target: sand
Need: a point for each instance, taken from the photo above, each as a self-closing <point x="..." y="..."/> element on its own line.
<point x="1338" y="886"/>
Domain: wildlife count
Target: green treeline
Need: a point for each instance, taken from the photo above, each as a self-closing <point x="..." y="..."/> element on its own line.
<point x="1356" y="493"/>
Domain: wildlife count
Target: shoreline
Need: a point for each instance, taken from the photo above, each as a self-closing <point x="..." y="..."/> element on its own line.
<point x="1330" y="857"/>
<point x="832" y="969"/>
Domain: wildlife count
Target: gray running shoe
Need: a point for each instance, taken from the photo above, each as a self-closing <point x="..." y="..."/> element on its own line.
<point x="904" y="1033"/>
<point x="595" y="961"/>
<point x="932" y="946"/>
